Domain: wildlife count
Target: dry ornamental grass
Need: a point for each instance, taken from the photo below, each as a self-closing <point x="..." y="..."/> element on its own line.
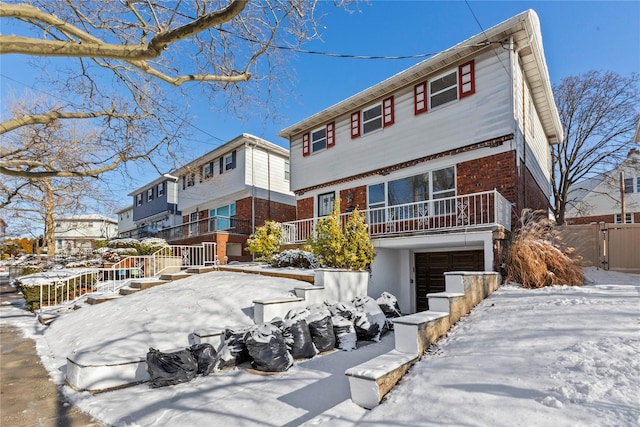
<point x="535" y="261"/>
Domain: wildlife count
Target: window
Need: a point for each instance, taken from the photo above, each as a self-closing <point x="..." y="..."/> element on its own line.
<point x="325" y="203"/>
<point x="139" y="199"/>
<point x="638" y="184"/>
<point x="628" y="185"/>
<point x="287" y="170"/>
<point x="318" y="140"/>
<point x="207" y="170"/>
<point x="191" y="180"/>
<point x="430" y="186"/>
<point x="161" y="189"/>
<point x="443" y="89"/>
<point x="372" y="119"/>
<point x="230" y="161"/>
<point x="628" y="218"/>
<point x="222" y="218"/>
<point x="149" y="194"/>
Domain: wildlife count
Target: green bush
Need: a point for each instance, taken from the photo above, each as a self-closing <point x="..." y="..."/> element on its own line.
<point x="265" y="242"/>
<point x="346" y="247"/>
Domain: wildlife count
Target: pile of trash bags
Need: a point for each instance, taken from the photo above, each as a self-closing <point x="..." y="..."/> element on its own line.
<point x="273" y="346"/>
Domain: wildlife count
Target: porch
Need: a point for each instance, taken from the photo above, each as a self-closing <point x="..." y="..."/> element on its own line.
<point x="459" y="213"/>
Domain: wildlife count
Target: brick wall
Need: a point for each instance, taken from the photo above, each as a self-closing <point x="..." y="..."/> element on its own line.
<point x="264" y="210"/>
<point x="305" y="208"/>
<point x="351" y="198"/>
<point x="500" y="172"/>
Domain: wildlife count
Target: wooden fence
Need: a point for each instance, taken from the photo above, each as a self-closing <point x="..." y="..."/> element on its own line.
<point x="607" y="246"/>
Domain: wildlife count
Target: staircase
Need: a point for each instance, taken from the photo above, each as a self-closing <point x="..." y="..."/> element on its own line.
<point x="371" y="380"/>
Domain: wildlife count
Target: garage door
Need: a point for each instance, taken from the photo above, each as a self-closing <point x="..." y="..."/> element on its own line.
<point x="431" y="266"/>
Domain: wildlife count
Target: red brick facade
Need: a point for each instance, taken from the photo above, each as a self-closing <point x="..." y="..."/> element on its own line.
<point x="500" y="172"/>
<point x="352" y="198"/>
<point x="305" y="208"/>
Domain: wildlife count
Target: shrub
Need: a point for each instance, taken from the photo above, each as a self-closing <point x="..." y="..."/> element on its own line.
<point x="295" y="258"/>
<point x="535" y="261"/>
<point x="347" y="247"/>
<point x="265" y="242"/>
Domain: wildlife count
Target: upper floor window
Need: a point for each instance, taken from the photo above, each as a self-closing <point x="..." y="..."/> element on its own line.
<point x="207" y="170"/>
<point x="228" y="162"/>
<point x="188" y="180"/>
<point x="453" y="85"/>
<point x="325" y="203"/>
<point x="319" y="140"/>
<point x="149" y="194"/>
<point x="629" y="186"/>
<point x="161" y="189"/>
<point x="287" y="170"/>
<point x="443" y="89"/>
<point x="138" y="199"/>
<point x="373" y="118"/>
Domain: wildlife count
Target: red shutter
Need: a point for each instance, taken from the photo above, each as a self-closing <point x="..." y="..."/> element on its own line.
<point x="305" y="144"/>
<point x="466" y="79"/>
<point x="331" y="139"/>
<point x="420" y="98"/>
<point x="388" y="117"/>
<point x="355" y="124"/>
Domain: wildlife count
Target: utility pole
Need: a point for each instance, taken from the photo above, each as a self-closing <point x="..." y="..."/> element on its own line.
<point x="623" y="219"/>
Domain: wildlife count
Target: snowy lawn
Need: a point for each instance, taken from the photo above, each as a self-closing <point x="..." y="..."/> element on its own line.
<point x="559" y="356"/>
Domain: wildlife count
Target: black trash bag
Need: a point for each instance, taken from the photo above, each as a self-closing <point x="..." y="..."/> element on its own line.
<point x="389" y="305"/>
<point x="170" y="368"/>
<point x="344" y="309"/>
<point x="267" y="349"/>
<point x="345" y="332"/>
<point x="321" y="329"/>
<point x="233" y="350"/>
<point x="298" y="339"/>
<point x="297" y="335"/>
<point x="205" y="355"/>
<point x="370" y="321"/>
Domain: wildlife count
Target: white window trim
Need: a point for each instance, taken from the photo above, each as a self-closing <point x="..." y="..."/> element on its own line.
<point x="431" y="94"/>
<point x="379" y="117"/>
<point x="313" y="141"/>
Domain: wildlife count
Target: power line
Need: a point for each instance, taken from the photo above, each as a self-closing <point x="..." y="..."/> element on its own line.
<point x="486" y="37"/>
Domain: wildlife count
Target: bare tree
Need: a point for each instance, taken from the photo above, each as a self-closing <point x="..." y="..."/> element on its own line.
<point x="44" y="197"/>
<point x="147" y="50"/>
<point x="599" y="112"/>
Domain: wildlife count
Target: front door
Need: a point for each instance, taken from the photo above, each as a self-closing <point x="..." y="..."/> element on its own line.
<point x="431" y="266"/>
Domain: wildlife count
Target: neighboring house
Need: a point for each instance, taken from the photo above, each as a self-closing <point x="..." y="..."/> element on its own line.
<point x="3" y="230"/>
<point x="441" y="157"/>
<point x="155" y="207"/>
<point x="76" y="235"/>
<point x="223" y="195"/>
<point x="126" y="226"/>
<point x="599" y="199"/>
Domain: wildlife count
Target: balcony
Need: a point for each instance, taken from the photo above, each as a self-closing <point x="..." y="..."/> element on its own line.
<point x="203" y="227"/>
<point x="464" y="212"/>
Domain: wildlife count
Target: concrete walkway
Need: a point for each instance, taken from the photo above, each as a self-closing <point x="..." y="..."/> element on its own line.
<point x="27" y="396"/>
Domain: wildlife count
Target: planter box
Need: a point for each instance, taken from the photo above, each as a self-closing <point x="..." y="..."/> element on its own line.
<point x="342" y="285"/>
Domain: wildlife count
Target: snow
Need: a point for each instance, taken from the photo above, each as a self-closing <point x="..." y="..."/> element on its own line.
<point x="555" y="356"/>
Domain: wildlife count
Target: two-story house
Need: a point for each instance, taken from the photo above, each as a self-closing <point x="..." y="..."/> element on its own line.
<point x="155" y="207"/>
<point x="441" y="158"/>
<point x="603" y="198"/>
<point x="126" y="226"/>
<point x="221" y="197"/>
<point x="77" y="234"/>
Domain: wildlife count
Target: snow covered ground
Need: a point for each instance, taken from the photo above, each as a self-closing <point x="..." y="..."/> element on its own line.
<point x="558" y="356"/>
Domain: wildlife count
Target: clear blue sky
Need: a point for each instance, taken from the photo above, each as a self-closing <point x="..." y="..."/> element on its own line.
<point x="578" y="36"/>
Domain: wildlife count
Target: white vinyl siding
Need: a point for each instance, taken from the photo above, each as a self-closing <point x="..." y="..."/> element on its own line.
<point x="485" y="115"/>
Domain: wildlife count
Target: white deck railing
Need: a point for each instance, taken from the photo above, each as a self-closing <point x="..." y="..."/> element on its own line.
<point x="451" y="213"/>
<point x="111" y="279"/>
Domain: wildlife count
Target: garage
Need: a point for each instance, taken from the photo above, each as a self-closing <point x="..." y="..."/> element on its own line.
<point x="431" y="266"/>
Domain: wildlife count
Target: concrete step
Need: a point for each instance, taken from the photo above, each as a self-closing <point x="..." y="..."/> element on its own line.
<point x="128" y="291"/>
<point x="175" y="276"/>
<point x="453" y="303"/>
<point x="146" y="284"/>
<point x="313" y="294"/>
<point x="99" y="299"/>
<point x="199" y="270"/>
<point x="414" y="333"/>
